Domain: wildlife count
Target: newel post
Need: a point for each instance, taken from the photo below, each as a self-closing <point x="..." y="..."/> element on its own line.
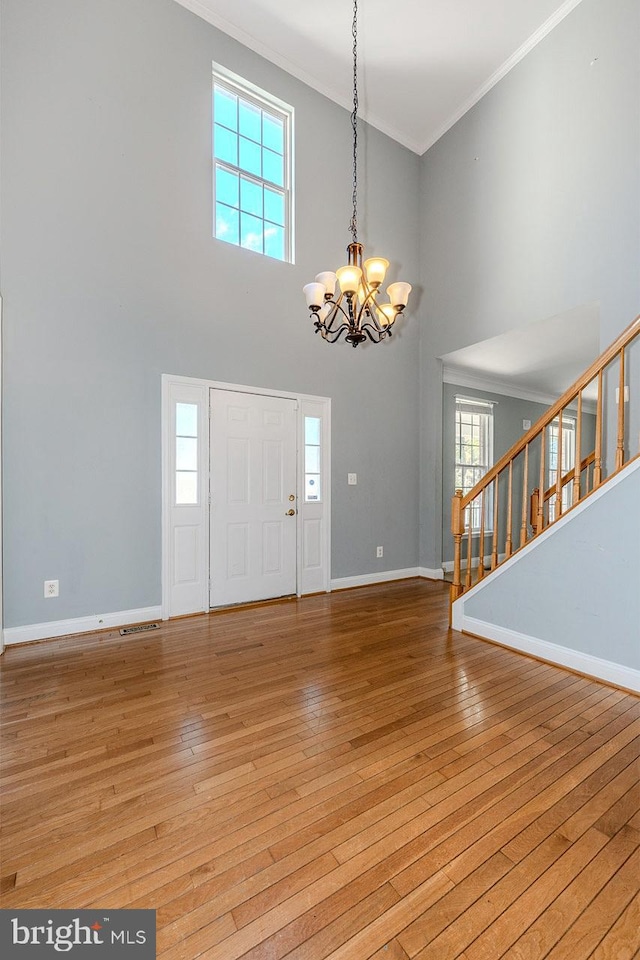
<point x="457" y="529"/>
<point x="533" y="513"/>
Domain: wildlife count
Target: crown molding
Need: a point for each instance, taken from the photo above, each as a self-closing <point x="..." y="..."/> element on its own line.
<point x="502" y="71"/>
<point x="201" y="9"/>
<point x="326" y="90"/>
<point x="460" y="377"/>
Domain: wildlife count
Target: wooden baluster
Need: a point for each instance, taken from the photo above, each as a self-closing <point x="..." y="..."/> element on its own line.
<point x="494" y="547"/>
<point x="578" y="463"/>
<point x="469" y="548"/>
<point x="457" y="529"/>
<point x="597" y="464"/>
<point x="481" y="548"/>
<point x="541" y="488"/>
<point x="509" y="540"/>
<point x="525" y="498"/>
<point x="533" y="515"/>
<point x="558" y="509"/>
<point x="620" y="441"/>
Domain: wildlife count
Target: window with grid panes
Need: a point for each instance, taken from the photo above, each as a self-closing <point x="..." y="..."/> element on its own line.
<point x="186" y="472"/>
<point x="568" y="461"/>
<point x="473" y="454"/>
<point x="252" y="168"/>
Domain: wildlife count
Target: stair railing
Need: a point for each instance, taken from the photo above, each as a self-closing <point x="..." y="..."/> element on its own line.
<point x="505" y="511"/>
<point x="551" y="492"/>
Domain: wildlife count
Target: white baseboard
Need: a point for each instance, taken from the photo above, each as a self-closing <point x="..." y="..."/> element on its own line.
<point x="365" y="579"/>
<point x="106" y="621"/>
<point x="584" y="663"/>
<point x="60" y="628"/>
<point x="430" y="573"/>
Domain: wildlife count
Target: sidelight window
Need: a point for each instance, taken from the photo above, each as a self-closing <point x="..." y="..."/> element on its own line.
<point x="186" y="472"/>
<point x="312" y="461"/>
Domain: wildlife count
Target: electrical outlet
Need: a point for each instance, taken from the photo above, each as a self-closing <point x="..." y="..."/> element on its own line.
<point x="379" y="551"/>
<point x="51" y="588"/>
<point x="352" y="479"/>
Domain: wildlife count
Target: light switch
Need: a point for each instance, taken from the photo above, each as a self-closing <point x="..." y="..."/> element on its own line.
<point x="626" y="394"/>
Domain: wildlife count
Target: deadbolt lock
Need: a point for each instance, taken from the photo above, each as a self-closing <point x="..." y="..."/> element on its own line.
<point x="292" y="496"/>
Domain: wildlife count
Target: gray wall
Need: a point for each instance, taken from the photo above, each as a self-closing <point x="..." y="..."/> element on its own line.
<point x="530" y="206"/>
<point x="589" y="576"/>
<point x="110" y="278"/>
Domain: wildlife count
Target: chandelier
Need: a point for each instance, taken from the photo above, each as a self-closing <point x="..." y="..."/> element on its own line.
<point x="347" y="301"/>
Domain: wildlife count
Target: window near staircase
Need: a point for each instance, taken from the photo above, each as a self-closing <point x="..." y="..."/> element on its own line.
<point x="568" y="460"/>
<point x="474" y="454"/>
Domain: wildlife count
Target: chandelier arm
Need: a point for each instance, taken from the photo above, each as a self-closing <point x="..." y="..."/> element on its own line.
<point x="366" y="305"/>
<point x="380" y="331"/>
<point x="337" y="308"/>
<point x="377" y="336"/>
<point x="371" y="299"/>
<point x="334" y="335"/>
<point x="373" y="324"/>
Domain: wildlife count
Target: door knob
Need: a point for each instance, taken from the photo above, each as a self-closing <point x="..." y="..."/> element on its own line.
<point x="290" y="513"/>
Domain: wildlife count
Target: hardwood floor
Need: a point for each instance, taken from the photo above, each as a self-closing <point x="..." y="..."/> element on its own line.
<point x="339" y="777"/>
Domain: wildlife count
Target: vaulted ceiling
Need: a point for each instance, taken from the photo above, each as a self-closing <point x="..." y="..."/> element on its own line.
<point x="422" y="63"/>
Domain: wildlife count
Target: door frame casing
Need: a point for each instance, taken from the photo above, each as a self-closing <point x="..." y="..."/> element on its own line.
<point x="307" y="405"/>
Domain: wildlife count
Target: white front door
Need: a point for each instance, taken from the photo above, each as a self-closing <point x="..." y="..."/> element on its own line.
<point x="253" y="497"/>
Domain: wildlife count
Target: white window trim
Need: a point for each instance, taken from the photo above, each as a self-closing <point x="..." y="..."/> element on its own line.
<point x="263" y="99"/>
<point x="489" y="405"/>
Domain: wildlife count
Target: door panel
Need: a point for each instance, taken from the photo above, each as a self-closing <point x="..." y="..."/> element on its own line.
<point x="237" y="550"/>
<point x="312" y="540"/>
<point x="253" y="475"/>
<point x="237" y="471"/>
<point x="186" y="552"/>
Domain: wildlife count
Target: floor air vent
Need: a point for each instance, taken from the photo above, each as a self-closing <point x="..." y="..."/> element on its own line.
<point x="139" y="629"/>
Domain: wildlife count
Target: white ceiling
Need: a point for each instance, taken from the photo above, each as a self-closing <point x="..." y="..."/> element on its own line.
<point x="538" y="361"/>
<point x="422" y="63"/>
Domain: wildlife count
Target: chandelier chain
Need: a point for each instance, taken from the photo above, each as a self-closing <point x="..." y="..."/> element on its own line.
<point x="353" y="226"/>
<point x="348" y="302"/>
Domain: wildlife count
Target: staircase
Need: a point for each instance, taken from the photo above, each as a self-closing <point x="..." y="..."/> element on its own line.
<point x="537" y="482"/>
